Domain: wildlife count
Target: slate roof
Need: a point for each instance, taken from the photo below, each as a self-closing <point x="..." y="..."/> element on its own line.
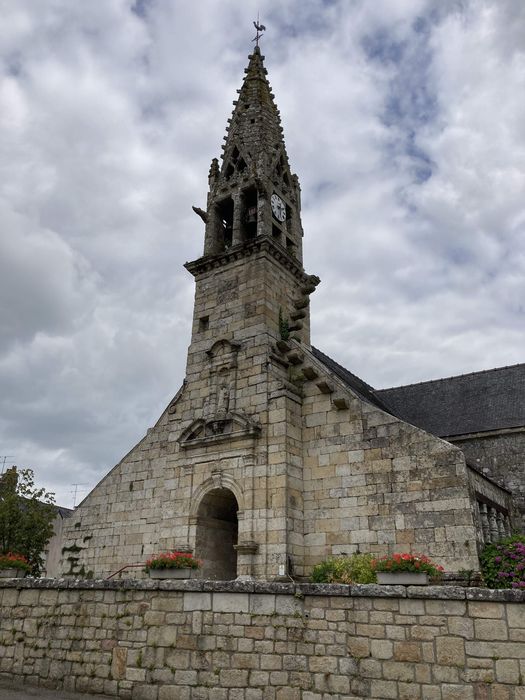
<point x="478" y="402"/>
<point x="493" y="399"/>
<point x="357" y="385"/>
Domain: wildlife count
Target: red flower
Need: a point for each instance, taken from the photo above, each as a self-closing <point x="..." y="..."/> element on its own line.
<point x="172" y="560"/>
<point x="407" y="561"/>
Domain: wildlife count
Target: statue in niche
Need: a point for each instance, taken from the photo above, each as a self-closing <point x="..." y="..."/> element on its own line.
<point x="223" y="399"/>
<point x="207" y="407"/>
<point x="220" y="402"/>
<point x="216" y="427"/>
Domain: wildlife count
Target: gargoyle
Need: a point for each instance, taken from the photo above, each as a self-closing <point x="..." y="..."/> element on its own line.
<point x="200" y="212"/>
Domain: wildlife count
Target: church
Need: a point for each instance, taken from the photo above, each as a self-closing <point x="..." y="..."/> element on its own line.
<point x="272" y="457"/>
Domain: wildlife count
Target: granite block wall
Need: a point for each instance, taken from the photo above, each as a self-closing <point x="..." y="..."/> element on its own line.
<point x="373" y="483"/>
<point x="200" y="640"/>
<point x="501" y="457"/>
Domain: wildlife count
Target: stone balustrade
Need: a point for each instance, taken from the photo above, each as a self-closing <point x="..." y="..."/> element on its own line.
<point x="495" y="524"/>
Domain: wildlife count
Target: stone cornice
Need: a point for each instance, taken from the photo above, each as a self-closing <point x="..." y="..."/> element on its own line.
<point x="219" y="428"/>
<point x="370" y="590"/>
<point x="260" y="245"/>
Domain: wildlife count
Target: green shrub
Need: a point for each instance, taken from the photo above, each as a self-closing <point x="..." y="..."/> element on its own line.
<point x="354" y="569"/>
<point x="503" y="563"/>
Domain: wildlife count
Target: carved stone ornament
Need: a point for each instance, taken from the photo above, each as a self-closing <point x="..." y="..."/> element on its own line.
<point x="220" y="419"/>
<point x="230" y="426"/>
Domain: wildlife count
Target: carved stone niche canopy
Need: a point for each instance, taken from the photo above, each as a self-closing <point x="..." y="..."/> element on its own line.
<point x="223" y="352"/>
<point x="220" y="419"/>
<point x="227" y="426"/>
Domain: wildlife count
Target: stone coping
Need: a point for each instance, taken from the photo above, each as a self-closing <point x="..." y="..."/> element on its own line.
<point x="299" y="590"/>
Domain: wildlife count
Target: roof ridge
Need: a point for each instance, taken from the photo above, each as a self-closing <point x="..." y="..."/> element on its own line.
<point x="353" y="381"/>
<point x="453" y="376"/>
<point x="371" y="388"/>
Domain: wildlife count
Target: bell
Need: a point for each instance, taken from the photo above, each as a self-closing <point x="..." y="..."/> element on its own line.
<point x="251" y="216"/>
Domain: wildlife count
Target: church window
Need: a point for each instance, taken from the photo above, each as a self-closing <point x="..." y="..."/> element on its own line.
<point x="226" y="218"/>
<point x="250" y="213"/>
<point x="276" y="233"/>
<point x="229" y="171"/>
<point x="204" y="323"/>
<point x="241" y="165"/>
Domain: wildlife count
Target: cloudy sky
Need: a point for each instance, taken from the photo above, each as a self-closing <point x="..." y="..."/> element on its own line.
<point x="404" y="119"/>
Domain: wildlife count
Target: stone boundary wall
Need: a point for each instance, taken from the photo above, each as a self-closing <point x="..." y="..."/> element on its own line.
<point x="205" y="640"/>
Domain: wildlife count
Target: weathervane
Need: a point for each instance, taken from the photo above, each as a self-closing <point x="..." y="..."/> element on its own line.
<point x="260" y="29"/>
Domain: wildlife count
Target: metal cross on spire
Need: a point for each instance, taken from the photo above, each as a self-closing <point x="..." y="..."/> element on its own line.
<point x="260" y="29"/>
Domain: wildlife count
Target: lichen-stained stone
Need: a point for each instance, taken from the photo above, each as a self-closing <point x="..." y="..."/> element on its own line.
<point x="450" y="651"/>
<point x="119" y="661"/>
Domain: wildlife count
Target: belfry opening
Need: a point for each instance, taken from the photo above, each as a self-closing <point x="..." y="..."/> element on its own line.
<point x="217" y="534"/>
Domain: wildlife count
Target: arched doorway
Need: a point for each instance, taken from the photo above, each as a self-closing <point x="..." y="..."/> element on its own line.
<point x="217" y="531"/>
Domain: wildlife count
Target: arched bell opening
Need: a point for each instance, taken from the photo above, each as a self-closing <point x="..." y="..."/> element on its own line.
<point x="250" y="214"/>
<point x="217" y="534"/>
<point x="225" y="217"/>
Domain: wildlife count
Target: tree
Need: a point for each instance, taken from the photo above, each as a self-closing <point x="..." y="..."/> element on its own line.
<point x="26" y="517"/>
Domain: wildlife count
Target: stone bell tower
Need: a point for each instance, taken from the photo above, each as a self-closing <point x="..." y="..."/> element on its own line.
<point x="252" y="295"/>
<point x="222" y="472"/>
<point x="254" y="193"/>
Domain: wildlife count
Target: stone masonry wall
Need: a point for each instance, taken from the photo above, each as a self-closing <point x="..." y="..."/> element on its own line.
<point x="315" y="470"/>
<point x="149" y="502"/>
<point x="199" y="640"/>
<point x="501" y="457"/>
<point x="373" y="483"/>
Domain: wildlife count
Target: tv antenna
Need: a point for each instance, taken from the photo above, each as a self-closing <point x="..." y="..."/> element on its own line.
<point x="76" y="488"/>
<point x="4" y="459"/>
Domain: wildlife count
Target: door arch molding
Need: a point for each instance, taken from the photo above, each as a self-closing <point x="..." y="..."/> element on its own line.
<point x="216" y="481"/>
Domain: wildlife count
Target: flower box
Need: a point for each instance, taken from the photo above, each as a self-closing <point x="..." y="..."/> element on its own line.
<point x="13" y="565"/>
<point x="403" y="578"/>
<point x="406" y="569"/>
<point x="172" y="565"/>
<point x="12" y="573"/>
<point x="185" y="572"/>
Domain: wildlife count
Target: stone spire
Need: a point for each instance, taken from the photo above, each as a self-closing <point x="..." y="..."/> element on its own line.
<point x="253" y="193"/>
<point x="255" y="126"/>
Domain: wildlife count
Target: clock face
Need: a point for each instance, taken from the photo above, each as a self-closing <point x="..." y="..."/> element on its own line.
<point x="278" y="207"/>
